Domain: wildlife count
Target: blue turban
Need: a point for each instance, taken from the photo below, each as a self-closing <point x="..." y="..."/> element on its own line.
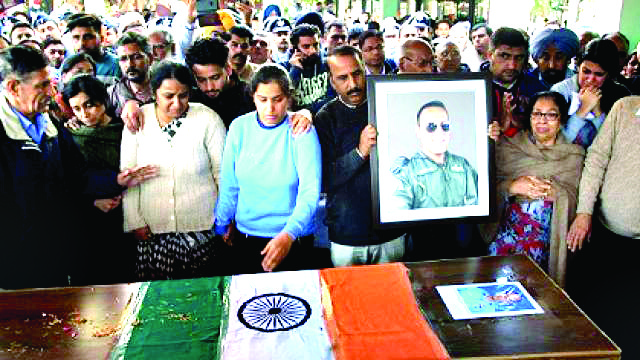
<point x="565" y="40"/>
<point x="269" y="9"/>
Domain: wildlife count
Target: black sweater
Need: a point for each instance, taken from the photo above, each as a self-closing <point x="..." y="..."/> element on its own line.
<point x="346" y="177"/>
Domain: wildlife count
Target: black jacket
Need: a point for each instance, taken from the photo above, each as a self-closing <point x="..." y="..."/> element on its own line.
<point x="41" y="189"/>
<point x="346" y="177"/>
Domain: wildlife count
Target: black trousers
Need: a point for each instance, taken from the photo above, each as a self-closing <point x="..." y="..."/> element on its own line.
<point x="246" y="258"/>
<point x="601" y="280"/>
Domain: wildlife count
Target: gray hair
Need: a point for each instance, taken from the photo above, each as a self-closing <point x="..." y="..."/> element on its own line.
<point x="168" y="38"/>
<point x="20" y="62"/>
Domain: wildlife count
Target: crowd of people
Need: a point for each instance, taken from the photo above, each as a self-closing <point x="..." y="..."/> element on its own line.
<point x="153" y="148"/>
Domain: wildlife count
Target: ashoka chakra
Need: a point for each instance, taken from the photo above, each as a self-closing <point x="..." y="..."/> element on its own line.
<point x="274" y="312"/>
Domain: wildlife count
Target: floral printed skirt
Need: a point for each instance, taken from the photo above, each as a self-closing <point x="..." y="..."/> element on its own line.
<point x="525" y="229"/>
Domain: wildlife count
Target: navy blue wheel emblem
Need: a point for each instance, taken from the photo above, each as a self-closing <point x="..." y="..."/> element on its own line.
<point x="274" y="312"/>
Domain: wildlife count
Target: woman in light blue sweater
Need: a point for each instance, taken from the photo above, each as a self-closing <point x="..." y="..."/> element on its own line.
<point x="270" y="181"/>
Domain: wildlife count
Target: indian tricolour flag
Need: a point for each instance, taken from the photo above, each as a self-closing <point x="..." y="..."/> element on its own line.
<point x="366" y="312"/>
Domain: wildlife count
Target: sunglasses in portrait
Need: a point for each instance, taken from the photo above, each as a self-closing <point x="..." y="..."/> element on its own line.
<point x="432" y="127"/>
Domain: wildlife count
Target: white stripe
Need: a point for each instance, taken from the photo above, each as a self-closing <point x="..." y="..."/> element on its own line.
<point x="271" y="304"/>
<point x="129" y="319"/>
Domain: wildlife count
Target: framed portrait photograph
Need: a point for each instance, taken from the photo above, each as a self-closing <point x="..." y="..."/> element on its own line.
<point x="433" y="159"/>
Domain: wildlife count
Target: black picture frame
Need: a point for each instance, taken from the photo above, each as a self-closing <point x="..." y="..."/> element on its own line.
<point x="394" y="102"/>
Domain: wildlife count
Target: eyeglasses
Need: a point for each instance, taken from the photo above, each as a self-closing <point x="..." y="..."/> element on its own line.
<point x="550" y="116"/>
<point x="243" y="46"/>
<point x="338" y="37"/>
<point x="432" y="127"/>
<point x="420" y="63"/>
<point x="260" y="44"/>
<point x="450" y="54"/>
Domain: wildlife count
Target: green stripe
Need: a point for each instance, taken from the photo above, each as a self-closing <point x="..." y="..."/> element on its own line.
<point x="224" y="321"/>
<point x="178" y="319"/>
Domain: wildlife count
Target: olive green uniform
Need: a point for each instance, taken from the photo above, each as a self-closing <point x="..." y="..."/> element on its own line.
<point x="427" y="184"/>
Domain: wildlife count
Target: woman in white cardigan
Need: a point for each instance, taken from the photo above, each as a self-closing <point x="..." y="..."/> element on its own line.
<point x="171" y="215"/>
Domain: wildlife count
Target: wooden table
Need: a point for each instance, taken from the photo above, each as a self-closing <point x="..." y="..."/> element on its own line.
<point x="562" y="332"/>
<point x="79" y="323"/>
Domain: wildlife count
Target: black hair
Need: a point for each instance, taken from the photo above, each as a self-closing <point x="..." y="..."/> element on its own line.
<point x="557" y="98"/>
<point x="20" y="61"/>
<point x="272" y="73"/>
<point x="134" y="38"/>
<point x="443" y="21"/>
<point x="51" y="41"/>
<point x="510" y="37"/>
<point x="32" y="41"/>
<point x="303" y="30"/>
<point x="84" y="20"/>
<point x="479" y="26"/>
<point x="600" y="52"/>
<point x="354" y="33"/>
<point x="18" y="26"/>
<point x="25" y="14"/>
<point x="71" y="61"/>
<point x="207" y="51"/>
<point x="88" y="84"/>
<point x="335" y="23"/>
<point x="431" y="104"/>
<point x="170" y="70"/>
<point x="346" y="50"/>
<point x="369" y="34"/>
<point x="242" y="32"/>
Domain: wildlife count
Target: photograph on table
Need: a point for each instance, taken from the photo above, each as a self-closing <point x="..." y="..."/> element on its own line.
<point x="433" y="160"/>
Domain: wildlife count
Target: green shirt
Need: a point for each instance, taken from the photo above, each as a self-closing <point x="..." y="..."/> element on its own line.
<point x="427" y="184"/>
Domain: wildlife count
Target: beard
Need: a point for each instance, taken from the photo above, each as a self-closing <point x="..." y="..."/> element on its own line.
<point x="310" y="60"/>
<point x="95" y="54"/>
<point x="239" y="58"/>
<point x="56" y="63"/>
<point x="553" y="76"/>
<point x="135" y="75"/>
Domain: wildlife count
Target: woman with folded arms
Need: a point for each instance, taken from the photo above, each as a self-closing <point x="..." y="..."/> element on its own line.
<point x="538" y="171"/>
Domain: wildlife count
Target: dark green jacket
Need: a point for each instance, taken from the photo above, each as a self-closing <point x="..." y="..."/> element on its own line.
<point x="427" y="184"/>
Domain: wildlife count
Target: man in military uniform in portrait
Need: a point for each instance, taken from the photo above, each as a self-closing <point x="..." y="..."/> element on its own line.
<point x="434" y="177"/>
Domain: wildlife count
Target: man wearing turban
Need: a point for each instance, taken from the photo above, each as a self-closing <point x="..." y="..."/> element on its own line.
<point x="552" y="50"/>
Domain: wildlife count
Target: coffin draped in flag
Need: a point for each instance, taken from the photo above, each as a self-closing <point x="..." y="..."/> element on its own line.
<point x="366" y="312"/>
